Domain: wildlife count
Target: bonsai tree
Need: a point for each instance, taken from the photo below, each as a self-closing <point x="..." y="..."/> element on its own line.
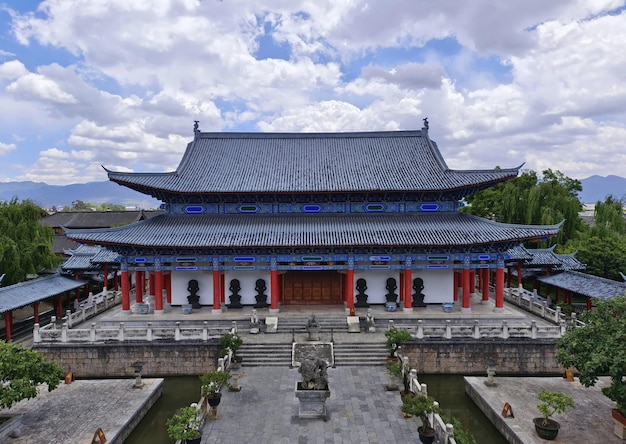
<point x="230" y="341"/>
<point x="395" y="338"/>
<point x="597" y="348"/>
<point x="213" y="381"/>
<point x="394" y="371"/>
<point x="461" y="434"/>
<point x="185" y="424"/>
<point x="421" y="406"/>
<point x="553" y="403"/>
<point x="21" y="371"/>
<point x="314" y="375"/>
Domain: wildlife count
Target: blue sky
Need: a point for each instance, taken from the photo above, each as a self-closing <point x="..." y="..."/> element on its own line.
<point x="116" y="83"/>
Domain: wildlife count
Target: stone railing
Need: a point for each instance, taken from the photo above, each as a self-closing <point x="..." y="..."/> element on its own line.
<point x="444" y="433"/>
<point x="149" y="332"/>
<point x="92" y="306"/>
<point x="538" y="306"/>
<point x="476" y="330"/>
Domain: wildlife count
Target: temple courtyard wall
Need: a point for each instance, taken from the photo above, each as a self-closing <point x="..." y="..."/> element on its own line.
<point x="466" y="357"/>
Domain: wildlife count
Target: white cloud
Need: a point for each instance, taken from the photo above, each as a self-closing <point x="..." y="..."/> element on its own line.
<point x="6" y="147"/>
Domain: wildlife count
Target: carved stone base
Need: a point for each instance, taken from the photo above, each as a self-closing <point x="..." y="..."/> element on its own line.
<point x="312" y="403"/>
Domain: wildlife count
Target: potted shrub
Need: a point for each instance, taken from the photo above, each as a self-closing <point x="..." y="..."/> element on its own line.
<point x="395" y="338"/>
<point x="597" y="349"/>
<point x="551" y="403"/>
<point x="212" y="383"/>
<point x="394" y="371"/>
<point x="230" y="341"/>
<point x="185" y="425"/>
<point x="461" y="434"/>
<point x="421" y="406"/>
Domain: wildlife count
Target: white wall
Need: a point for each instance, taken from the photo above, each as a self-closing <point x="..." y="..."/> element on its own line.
<point x="437" y="284"/>
<point x="247" y="282"/>
<point x="180" y="282"/>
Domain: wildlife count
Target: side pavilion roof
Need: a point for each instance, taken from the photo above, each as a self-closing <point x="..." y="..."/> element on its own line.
<point x="25" y="293"/>
<point x="394" y="161"/>
<point x="313" y="230"/>
<point x="586" y="284"/>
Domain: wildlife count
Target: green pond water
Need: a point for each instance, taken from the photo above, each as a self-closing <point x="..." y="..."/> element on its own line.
<point x="447" y="389"/>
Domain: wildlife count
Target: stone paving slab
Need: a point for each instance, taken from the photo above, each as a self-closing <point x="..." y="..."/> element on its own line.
<point x="266" y="410"/>
<point x="72" y="413"/>
<point x="589" y="422"/>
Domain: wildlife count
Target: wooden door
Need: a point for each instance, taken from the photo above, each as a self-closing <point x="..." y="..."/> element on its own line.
<point x="312" y="288"/>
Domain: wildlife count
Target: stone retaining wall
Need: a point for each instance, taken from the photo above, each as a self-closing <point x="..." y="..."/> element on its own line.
<point x="511" y="356"/>
<point x="115" y="360"/>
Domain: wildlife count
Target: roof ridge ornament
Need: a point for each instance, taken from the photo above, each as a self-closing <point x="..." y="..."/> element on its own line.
<point x="196" y="129"/>
<point x="425" y="128"/>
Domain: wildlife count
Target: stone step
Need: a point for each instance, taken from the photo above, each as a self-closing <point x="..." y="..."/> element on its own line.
<point x="265" y="355"/>
<point x="357" y="354"/>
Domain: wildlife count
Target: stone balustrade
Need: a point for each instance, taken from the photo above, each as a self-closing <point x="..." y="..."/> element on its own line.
<point x="537" y="305"/>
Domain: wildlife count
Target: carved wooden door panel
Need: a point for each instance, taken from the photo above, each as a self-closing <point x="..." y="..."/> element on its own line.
<point x="312" y="288"/>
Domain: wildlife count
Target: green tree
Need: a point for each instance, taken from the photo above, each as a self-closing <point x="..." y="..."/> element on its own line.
<point x="110" y="207"/>
<point x="21" y="371"/>
<point x="25" y="245"/>
<point x="608" y="218"/>
<point x="531" y="200"/>
<point x="597" y="349"/>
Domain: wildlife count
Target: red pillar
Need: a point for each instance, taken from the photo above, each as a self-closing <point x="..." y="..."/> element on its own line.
<point x="274" y="290"/>
<point x="60" y="305"/>
<point x="457" y="278"/>
<point x="168" y="287"/>
<point x="485" y="286"/>
<point x="500" y="287"/>
<point x="151" y="283"/>
<point x="36" y="312"/>
<point x="139" y="285"/>
<point x="465" y="303"/>
<point x="158" y="291"/>
<point x="350" y="289"/>
<point x="125" y="291"/>
<point x="408" y="281"/>
<point x="588" y="303"/>
<point x="216" y="289"/>
<point x="8" y="320"/>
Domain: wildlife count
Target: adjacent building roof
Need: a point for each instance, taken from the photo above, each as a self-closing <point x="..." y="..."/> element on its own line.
<point x="88" y="258"/>
<point x="545" y="257"/>
<point x="586" y="284"/>
<point x="313" y="230"/>
<point x="95" y="219"/>
<point x="25" y="293"/>
<point x="395" y="161"/>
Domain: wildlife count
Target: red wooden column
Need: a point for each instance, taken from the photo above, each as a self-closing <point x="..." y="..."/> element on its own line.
<point x="168" y="287"/>
<point x="465" y="303"/>
<point x="500" y="286"/>
<point x="59" y="302"/>
<point x="274" y="287"/>
<point x="350" y="286"/>
<point x="8" y="321"/>
<point x="484" y="281"/>
<point x="150" y="283"/>
<point x="408" y="281"/>
<point x="140" y="279"/>
<point x="588" y="303"/>
<point x="125" y="290"/>
<point x="216" y="288"/>
<point x="158" y="288"/>
<point x="36" y="312"/>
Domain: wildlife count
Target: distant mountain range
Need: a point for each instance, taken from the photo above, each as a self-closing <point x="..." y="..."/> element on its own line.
<point x="595" y="188"/>
<point x="48" y="196"/>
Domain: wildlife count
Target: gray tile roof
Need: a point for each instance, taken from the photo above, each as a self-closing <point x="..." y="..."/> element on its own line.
<point x="519" y="253"/>
<point x="25" y="293"/>
<point x="318" y="230"/>
<point x="543" y="257"/>
<point x="92" y="219"/>
<point x="586" y="284"/>
<point x="569" y="262"/>
<point x="311" y="162"/>
<point x="88" y="258"/>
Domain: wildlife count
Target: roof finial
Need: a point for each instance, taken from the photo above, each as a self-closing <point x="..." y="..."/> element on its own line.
<point x="196" y="130"/>
<point x="425" y="119"/>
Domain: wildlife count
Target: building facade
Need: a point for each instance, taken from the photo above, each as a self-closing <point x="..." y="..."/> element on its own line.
<point x="276" y="219"/>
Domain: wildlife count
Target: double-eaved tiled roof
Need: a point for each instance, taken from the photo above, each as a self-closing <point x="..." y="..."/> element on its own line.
<point x="397" y="161"/>
<point x="313" y="230"/>
<point x="586" y="284"/>
<point x="88" y="258"/>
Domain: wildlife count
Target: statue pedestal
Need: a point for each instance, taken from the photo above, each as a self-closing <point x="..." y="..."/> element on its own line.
<point x="312" y="402"/>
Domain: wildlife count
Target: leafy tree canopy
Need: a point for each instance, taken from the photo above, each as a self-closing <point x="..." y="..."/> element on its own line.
<point x="529" y="199"/>
<point x="598" y="348"/>
<point x="21" y="371"/>
<point x="79" y="205"/>
<point x="25" y="245"/>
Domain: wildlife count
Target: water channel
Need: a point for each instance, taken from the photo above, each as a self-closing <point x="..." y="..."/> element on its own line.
<point x="447" y="389"/>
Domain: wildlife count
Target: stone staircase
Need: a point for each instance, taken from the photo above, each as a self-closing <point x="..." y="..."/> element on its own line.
<point x="360" y="354"/>
<point x="265" y="354"/>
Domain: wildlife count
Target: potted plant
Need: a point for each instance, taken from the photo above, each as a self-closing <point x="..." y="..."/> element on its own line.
<point x="185" y="425"/>
<point x="212" y="383"/>
<point x="597" y="349"/>
<point x="395" y="338"/>
<point x="422" y="406"/>
<point x="394" y="371"/>
<point x="230" y="341"/>
<point x="551" y="403"/>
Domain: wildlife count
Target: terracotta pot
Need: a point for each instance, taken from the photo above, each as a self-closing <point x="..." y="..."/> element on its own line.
<point x="549" y="430"/>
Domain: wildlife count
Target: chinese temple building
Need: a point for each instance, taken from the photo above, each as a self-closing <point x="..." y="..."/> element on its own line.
<point x="277" y="219"/>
